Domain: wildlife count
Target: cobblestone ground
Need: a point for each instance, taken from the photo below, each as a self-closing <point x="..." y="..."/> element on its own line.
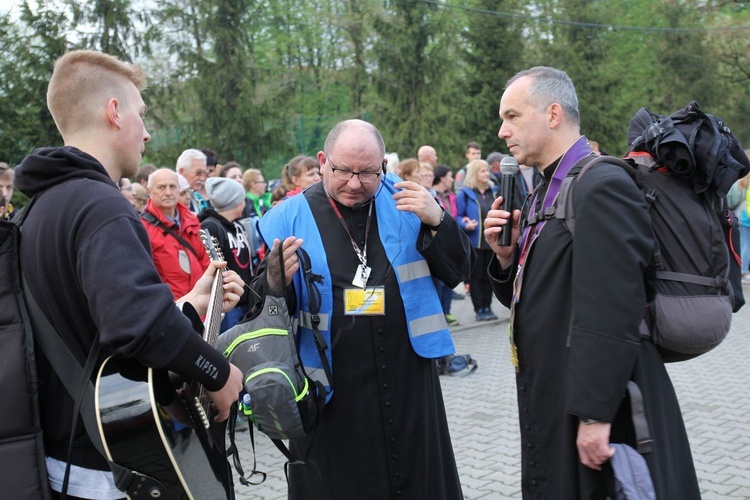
<point x="712" y="389"/>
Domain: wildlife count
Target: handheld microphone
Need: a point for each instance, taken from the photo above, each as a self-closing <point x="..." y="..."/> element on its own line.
<point x="508" y="170"/>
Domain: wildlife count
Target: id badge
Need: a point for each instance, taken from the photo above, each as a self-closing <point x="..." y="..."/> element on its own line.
<point x="184" y="261"/>
<point x="364" y="302"/>
<point x="361" y="276"/>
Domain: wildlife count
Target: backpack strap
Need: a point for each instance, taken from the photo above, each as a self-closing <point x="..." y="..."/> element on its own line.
<point x="313" y="293"/>
<point x="310" y="281"/>
<point x="77" y="381"/>
<point x="640" y="424"/>
<point x="151" y="219"/>
<point x="563" y="208"/>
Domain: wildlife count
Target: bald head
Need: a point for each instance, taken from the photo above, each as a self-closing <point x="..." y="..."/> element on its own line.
<point x="352" y="128"/>
<point x="427" y="154"/>
<point x="164" y="189"/>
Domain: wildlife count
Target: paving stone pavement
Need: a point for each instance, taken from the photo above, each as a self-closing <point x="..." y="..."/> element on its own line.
<point x="481" y="408"/>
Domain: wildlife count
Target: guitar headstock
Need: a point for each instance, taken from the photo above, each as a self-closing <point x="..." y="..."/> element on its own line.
<point x="212" y="245"/>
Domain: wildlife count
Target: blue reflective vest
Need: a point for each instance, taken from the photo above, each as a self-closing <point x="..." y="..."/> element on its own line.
<point x="428" y="331"/>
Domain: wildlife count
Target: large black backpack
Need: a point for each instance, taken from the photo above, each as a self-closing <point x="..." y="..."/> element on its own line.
<point x="684" y="164"/>
<point x="23" y="328"/>
<point x="23" y="473"/>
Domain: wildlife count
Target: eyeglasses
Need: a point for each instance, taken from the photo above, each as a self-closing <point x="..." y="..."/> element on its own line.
<point x="342" y="174"/>
<point x="199" y="173"/>
<point x="259" y="182"/>
<point x="126" y="188"/>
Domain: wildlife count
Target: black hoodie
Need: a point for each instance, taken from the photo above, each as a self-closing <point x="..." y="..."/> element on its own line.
<point x="233" y="243"/>
<point x="87" y="259"/>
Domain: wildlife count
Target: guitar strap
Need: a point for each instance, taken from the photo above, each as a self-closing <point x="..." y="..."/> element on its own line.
<point x="151" y="219"/>
<point x="77" y="381"/>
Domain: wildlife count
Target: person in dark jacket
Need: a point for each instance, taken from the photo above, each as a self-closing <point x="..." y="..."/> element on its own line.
<point x="87" y="259"/>
<point x="222" y="221"/>
<point x="576" y="305"/>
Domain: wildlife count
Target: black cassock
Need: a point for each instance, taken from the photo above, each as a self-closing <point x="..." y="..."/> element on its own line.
<point x="384" y="433"/>
<point x="576" y="328"/>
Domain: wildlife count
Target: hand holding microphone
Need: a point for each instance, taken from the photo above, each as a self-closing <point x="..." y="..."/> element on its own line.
<point x="508" y="170"/>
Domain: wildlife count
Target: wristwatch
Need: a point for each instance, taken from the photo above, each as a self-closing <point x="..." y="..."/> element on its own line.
<point x="435" y="227"/>
<point x="589" y="421"/>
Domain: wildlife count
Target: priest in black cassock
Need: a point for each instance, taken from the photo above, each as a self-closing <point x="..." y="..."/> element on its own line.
<point x="577" y="300"/>
<point x="378" y="241"/>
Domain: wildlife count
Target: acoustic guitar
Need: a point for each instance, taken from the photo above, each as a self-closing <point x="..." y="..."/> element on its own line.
<point x="151" y="427"/>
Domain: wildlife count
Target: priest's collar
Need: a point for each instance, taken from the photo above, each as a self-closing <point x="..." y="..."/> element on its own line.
<point x="549" y="171"/>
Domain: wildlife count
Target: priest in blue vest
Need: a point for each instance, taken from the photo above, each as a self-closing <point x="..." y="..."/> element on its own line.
<point x="378" y="241"/>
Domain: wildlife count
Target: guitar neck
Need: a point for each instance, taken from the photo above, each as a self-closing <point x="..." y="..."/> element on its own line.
<point x="213" y="314"/>
<point x="211" y="333"/>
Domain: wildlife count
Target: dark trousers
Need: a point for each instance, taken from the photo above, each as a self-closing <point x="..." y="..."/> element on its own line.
<point x="479" y="281"/>
<point x="445" y="294"/>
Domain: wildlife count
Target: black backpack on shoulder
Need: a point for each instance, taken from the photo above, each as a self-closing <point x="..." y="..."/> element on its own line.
<point x="23" y="472"/>
<point x="684" y="164"/>
<point x="23" y="328"/>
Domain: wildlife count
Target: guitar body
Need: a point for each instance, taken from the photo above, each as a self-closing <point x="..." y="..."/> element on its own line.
<point x="141" y="434"/>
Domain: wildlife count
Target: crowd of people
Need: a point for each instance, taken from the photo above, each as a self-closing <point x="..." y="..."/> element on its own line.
<point x="398" y="236"/>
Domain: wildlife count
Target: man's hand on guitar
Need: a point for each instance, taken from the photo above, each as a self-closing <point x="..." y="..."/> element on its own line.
<point x="225" y="397"/>
<point x="234" y="287"/>
<point x="200" y="295"/>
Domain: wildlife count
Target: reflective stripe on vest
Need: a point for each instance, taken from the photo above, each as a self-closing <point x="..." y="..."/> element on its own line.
<point x="428" y="330"/>
<point x="415" y="270"/>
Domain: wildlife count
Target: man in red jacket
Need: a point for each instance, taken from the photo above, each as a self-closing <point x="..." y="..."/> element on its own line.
<point x="173" y="231"/>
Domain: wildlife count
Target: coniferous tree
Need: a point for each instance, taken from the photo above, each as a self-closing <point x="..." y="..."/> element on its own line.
<point x="30" y="46"/>
<point x="218" y="96"/>
<point x="420" y="92"/>
<point x="495" y="52"/>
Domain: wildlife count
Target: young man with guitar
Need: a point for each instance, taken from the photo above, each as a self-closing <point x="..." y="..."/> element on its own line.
<point x="85" y="255"/>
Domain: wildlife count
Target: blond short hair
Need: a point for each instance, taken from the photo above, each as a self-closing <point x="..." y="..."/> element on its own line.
<point x="81" y="79"/>
<point x="251" y="175"/>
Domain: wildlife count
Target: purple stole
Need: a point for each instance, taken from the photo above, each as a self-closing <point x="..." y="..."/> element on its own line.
<point x="580" y="149"/>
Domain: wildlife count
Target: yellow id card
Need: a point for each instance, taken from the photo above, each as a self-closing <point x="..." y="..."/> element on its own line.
<point x="367" y="302"/>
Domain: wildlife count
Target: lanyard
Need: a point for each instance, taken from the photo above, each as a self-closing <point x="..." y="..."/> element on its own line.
<point x="361" y="254"/>
<point x="577" y="151"/>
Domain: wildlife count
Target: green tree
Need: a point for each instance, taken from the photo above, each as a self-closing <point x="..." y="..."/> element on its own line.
<point x="30" y="48"/>
<point x="687" y="65"/>
<point x="111" y="26"/>
<point x="579" y="43"/>
<point x="732" y="46"/>
<point x="494" y="53"/>
<point x="420" y="92"/>
<point x="216" y="94"/>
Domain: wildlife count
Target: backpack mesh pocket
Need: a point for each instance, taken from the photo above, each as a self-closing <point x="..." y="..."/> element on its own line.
<point x="274" y="400"/>
<point x="686" y="326"/>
